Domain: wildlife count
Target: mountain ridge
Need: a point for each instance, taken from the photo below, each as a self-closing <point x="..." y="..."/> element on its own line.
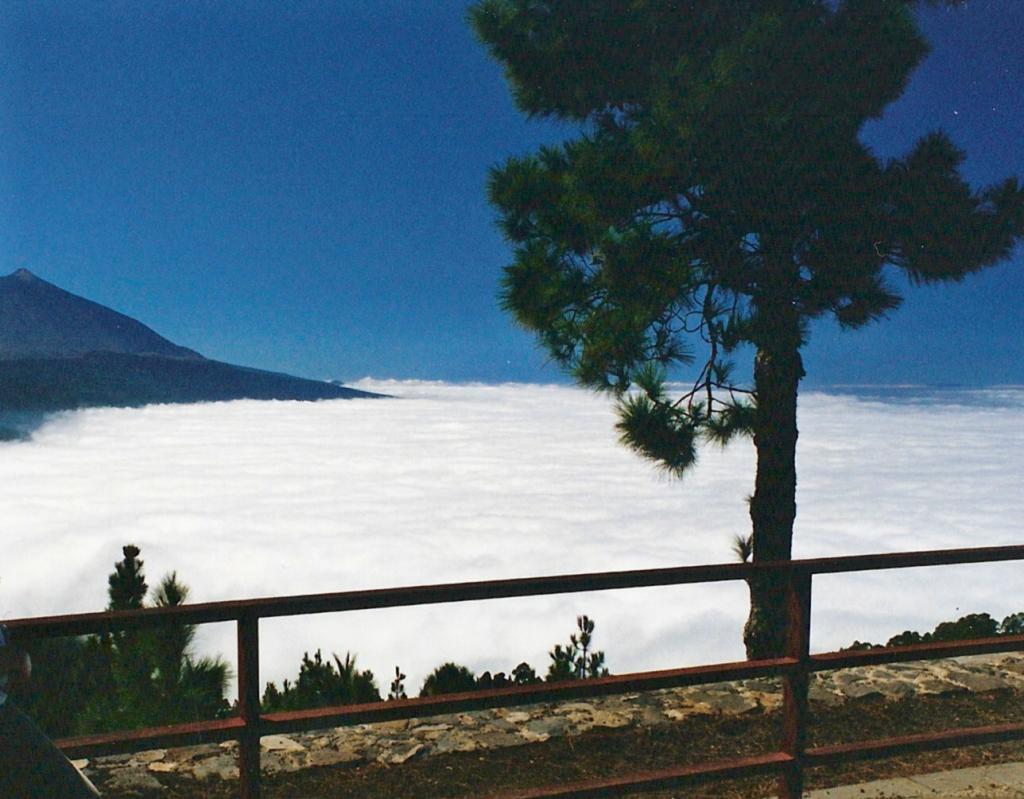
<point x="60" y="351"/>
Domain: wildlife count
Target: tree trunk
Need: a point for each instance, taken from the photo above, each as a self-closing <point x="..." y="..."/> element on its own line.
<point x="778" y="369"/>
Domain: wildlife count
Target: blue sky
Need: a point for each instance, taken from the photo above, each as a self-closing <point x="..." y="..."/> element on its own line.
<point x="300" y="186"/>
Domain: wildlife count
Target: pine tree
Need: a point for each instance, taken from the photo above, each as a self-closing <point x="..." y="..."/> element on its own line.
<point x="322" y="683"/>
<point x="184" y="687"/>
<point x="577" y="660"/>
<point x="397" y="689"/>
<point x="149" y="676"/>
<point x="126" y="586"/>
<point x="448" y="678"/>
<point x="119" y="699"/>
<point x="718" y="197"/>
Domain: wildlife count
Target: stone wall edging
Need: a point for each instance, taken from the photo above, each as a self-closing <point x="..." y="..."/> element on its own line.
<point x="397" y="742"/>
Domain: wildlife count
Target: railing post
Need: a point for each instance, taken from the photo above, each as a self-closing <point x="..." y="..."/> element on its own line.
<point x="796" y="684"/>
<point x="249" y="705"/>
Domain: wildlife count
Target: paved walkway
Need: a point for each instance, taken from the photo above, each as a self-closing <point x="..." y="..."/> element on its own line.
<point x="984" y="782"/>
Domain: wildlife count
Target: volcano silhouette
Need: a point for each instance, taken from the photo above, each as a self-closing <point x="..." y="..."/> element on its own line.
<point x="61" y="351"/>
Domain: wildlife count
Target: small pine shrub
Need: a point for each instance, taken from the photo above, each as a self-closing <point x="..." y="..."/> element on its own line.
<point x="1012" y="624"/>
<point x="448" y="678"/>
<point x="523" y="674"/>
<point x="973" y="625"/>
<point x="397" y="689"/>
<point x="497" y="680"/>
<point x="322" y="683"/>
<point x="576" y="661"/>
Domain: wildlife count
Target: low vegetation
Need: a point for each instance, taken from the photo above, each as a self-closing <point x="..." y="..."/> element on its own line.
<point x="322" y="683"/>
<point x="151" y="677"/>
<point x="135" y="678"/>
<point x="126" y="679"/>
<point x="973" y="625"/>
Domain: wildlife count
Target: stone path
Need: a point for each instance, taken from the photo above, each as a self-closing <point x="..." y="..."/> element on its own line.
<point x="1005" y="780"/>
<point x="397" y="742"/>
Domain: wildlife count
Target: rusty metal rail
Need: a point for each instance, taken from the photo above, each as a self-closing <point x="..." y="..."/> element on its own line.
<point x="795" y="669"/>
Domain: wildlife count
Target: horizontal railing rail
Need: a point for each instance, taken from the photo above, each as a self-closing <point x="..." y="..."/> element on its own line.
<point x="376" y="598"/>
<point x="795" y="668"/>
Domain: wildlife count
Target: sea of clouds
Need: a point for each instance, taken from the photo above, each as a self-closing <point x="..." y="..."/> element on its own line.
<point x="467" y="482"/>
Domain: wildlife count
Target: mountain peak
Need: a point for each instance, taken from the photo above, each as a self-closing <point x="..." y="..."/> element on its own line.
<point x="41" y="320"/>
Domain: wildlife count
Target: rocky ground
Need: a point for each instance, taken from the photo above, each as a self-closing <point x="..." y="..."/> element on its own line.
<point x="398" y="742"/>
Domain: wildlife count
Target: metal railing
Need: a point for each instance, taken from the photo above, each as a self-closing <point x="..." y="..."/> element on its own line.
<point x="795" y="668"/>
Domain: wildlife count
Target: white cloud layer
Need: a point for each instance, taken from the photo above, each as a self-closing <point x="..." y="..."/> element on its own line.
<point x="453" y="483"/>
